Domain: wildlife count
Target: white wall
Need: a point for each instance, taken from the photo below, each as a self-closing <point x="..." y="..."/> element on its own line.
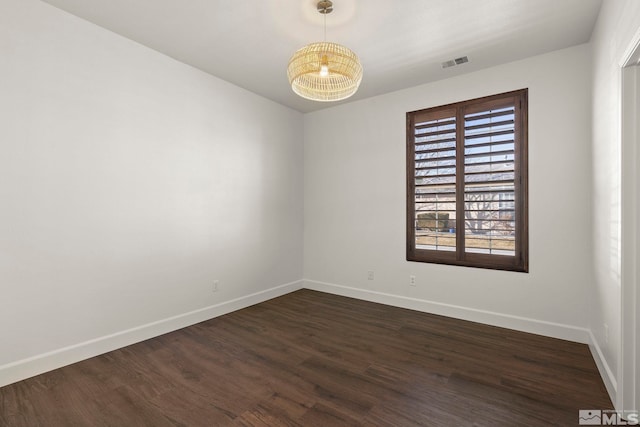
<point x="618" y="22"/>
<point x="128" y="183"/>
<point x="355" y="201"/>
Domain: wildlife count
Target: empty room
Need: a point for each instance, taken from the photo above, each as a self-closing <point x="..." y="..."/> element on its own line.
<point x="319" y="213"/>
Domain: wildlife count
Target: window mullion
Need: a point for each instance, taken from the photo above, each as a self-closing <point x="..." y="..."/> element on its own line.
<point x="460" y="229"/>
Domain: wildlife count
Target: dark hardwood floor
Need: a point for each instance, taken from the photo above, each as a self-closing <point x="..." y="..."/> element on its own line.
<point x="314" y="359"/>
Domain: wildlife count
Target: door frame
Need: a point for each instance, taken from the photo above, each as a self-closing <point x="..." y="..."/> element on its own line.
<point x="628" y="381"/>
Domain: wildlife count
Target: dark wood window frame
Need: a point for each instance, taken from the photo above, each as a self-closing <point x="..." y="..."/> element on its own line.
<point x="454" y="116"/>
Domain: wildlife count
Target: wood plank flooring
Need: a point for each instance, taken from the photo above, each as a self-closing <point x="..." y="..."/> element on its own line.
<point x="314" y="359"/>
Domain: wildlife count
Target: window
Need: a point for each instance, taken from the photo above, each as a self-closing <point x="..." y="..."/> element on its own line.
<point x="467" y="183"/>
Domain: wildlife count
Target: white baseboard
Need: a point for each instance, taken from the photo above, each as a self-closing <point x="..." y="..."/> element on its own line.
<point x="26" y="368"/>
<point x="540" y="327"/>
<point x="606" y="373"/>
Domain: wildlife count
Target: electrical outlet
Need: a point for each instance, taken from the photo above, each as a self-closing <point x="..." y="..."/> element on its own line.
<point x="214" y="287"/>
<point x="370" y="275"/>
<point x="412" y="280"/>
<point x="606" y="333"/>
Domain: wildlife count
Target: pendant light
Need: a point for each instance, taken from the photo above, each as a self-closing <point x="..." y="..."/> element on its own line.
<point x="324" y="71"/>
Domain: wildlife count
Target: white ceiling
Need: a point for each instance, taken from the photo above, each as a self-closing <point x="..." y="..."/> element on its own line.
<point x="401" y="43"/>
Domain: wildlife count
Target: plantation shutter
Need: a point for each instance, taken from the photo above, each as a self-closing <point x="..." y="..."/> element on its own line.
<point x="489" y="181"/>
<point x="467" y="183"/>
<point x="435" y="181"/>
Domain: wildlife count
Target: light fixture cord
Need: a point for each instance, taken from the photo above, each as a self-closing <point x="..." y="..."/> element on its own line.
<point x="325" y="25"/>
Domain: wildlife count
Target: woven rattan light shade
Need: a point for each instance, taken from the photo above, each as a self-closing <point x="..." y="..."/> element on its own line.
<point x="343" y="77"/>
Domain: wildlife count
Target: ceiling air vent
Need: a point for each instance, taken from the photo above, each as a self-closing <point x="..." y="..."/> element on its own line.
<point x="454" y="62"/>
